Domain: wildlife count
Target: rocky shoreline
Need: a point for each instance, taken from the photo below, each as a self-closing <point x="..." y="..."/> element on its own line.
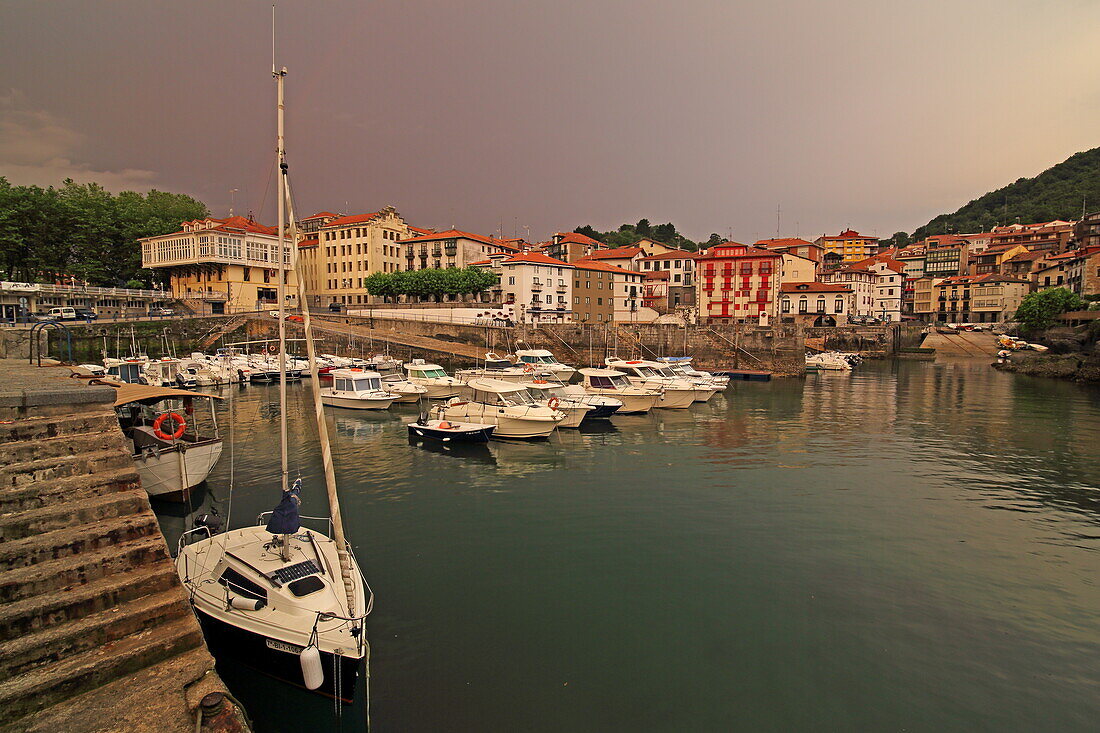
<point x="1079" y="367"/>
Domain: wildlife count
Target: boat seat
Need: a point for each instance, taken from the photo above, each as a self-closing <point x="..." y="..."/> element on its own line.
<point x="144" y="437"/>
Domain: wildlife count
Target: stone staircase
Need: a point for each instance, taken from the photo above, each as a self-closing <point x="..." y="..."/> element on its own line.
<point x="88" y="593"/>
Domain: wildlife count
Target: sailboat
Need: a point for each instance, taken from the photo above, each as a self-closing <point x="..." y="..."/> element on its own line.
<point x="283" y="598"/>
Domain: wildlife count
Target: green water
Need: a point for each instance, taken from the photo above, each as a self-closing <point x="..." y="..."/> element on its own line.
<point x="909" y="547"/>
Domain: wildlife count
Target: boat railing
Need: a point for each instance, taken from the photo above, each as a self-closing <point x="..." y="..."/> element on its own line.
<point x="327" y="521"/>
<point x="189" y="537"/>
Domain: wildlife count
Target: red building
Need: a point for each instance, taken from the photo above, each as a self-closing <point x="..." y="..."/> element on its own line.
<point x="737" y="282"/>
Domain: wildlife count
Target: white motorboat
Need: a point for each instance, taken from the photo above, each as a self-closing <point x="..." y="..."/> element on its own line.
<point x="286" y="599"/>
<point x="543" y="364"/>
<point x="161" y="372"/>
<point x="355" y="389"/>
<point x="171" y="455"/>
<point x="682" y="365"/>
<point x="704" y="388"/>
<point x="675" y="393"/>
<point x="827" y="362"/>
<point x="496" y="367"/>
<point x="130" y="371"/>
<point x="405" y="390"/>
<point x="611" y="383"/>
<point x="434" y="379"/>
<point x="507" y="405"/>
<point x="602" y="407"/>
<point x="548" y="393"/>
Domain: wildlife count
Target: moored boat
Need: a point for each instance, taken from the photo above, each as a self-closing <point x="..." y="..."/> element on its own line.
<point x="356" y="389"/>
<point x="507" y="405"/>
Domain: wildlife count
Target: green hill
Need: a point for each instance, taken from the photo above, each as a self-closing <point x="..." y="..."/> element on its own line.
<point x="1056" y="193"/>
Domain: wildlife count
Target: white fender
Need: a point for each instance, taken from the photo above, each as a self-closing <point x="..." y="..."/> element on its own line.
<point x="312" y="673"/>
<point x="246" y="604"/>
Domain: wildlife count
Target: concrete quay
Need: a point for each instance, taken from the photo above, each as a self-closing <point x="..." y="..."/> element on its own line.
<point x="96" y="633"/>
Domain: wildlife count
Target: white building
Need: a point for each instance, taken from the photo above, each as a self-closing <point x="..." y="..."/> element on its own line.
<point x="540" y="288"/>
<point x="863" y="284"/>
<point x="815" y="303"/>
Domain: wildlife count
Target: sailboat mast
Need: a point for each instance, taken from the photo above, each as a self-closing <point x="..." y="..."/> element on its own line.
<point x="281" y="274"/>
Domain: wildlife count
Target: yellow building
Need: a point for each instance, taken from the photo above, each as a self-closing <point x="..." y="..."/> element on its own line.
<point x="850" y="245"/>
<point x="223" y="265"/>
<point x="339" y="253"/>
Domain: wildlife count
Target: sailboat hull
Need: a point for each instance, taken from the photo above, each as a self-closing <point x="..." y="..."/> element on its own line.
<point x="278" y="659"/>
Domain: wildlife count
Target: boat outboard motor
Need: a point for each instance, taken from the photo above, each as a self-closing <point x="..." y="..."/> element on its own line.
<point x="212" y="522"/>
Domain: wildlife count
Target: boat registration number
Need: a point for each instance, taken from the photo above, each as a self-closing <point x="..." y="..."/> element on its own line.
<point x="282" y="646"/>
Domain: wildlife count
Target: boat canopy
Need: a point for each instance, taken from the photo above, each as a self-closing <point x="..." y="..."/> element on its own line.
<point x="127" y="393"/>
<point x="602" y="372"/>
<point x="496" y="385"/>
<point x="354" y="373"/>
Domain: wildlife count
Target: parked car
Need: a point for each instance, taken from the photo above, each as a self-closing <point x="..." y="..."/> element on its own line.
<point x="289" y="316"/>
<point x="85" y="314"/>
<point x="157" y="311"/>
<point x="61" y="313"/>
<point x="336" y="307"/>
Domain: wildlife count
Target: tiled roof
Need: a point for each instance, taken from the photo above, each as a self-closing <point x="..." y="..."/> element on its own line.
<point x="1027" y="257"/>
<point x="456" y="234"/>
<point x="750" y="251"/>
<point x="320" y="215"/>
<point x="813" y="287"/>
<point x="618" y="253"/>
<point x="577" y="238"/>
<point x="776" y="243"/>
<point x="420" y="230"/>
<point x="311" y="242"/>
<point x="534" y="258"/>
<point x="353" y="219"/>
<point x="587" y="264"/>
<point x="847" y="234"/>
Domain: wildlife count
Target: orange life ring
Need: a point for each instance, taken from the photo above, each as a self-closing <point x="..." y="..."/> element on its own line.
<point x="177" y="418"/>
<point x="539" y="381"/>
<point x="553" y="403"/>
<point x="528" y="368"/>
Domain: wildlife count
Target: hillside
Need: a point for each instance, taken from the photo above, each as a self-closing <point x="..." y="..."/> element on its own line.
<point x="1056" y="193"/>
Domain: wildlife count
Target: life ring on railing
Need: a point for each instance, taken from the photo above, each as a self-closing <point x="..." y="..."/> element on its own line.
<point x="528" y="368"/>
<point x="539" y="381"/>
<point x="176" y="418"/>
<point x="553" y="403"/>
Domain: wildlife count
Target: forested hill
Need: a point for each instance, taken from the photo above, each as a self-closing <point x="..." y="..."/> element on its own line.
<point x="1056" y="193"/>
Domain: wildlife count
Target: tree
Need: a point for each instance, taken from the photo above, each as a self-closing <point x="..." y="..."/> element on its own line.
<point x="589" y="232"/>
<point x="1039" y="309"/>
<point x="713" y="240"/>
<point x="642" y="228"/>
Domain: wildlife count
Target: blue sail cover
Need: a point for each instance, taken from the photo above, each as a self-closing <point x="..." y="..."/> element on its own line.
<point x="284" y="519"/>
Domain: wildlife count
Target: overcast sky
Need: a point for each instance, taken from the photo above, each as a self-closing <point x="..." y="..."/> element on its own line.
<point x="863" y="113"/>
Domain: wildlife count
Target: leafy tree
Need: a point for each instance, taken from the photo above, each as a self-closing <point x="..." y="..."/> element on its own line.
<point x="629" y="234"/>
<point x="642" y="228"/>
<point x="900" y="239"/>
<point x="1039" y="309"/>
<point x="588" y="231"/>
<point x="713" y="240"/>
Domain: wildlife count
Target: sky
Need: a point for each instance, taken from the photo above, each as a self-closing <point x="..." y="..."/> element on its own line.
<point x="795" y="117"/>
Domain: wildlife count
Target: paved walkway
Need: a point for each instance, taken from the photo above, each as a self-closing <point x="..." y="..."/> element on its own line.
<point x="965" y="343"/>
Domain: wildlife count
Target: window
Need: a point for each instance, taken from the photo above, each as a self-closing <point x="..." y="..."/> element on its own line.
<point x="577" y="300"/>
<point x="803" y="304"/>
<point x="549" y="299"/>
<point x="247" y="274"/>
<point x="838" y="307"/>
<point x="587" y="301"/>
<point x="785" y="305"/>
<point x="821" y="304"/>
<point x="512" y="281"/>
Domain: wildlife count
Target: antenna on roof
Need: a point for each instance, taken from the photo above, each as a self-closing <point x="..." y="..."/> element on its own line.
<point x="273" y="38"/>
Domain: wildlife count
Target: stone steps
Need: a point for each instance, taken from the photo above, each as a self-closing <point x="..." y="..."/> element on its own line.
<point x="67" y="542"/>
<point x="61" y="446"/>
<point x="46" y="685"/>
<point x="43" y="611"/>
<point x="50" y="469"/>
<point x="68" y="490"/>
<point x="59" y="642"/>
<point x="41" y="428"/>
<point x="18" y="583"/>
<point x="36" y="522"/>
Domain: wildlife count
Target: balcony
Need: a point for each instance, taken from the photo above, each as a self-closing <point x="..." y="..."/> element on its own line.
<point x="437" y="252"/>
<point x="536" y="287"/>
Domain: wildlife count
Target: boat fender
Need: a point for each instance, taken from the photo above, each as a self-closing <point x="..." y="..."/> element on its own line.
<point x="444" y="425"/>
<point x="312" y="673"/>
<point x="177" y="419"/>
<point x="246" y="604"/>
<point x="553" y="403"/>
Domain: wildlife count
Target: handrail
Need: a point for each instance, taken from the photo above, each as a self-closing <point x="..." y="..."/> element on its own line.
<point x="33" y="346"/>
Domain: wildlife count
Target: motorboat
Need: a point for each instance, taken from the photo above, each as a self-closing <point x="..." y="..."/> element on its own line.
<point x="405" y="390"/>
<point x="705" y="388"/>
<point x="433" y="378"/>
<point x="827" y="362"/>
<point x="676" y="393"/>
<point x="507" y="405"/>
<point x="543" y="391"/>
<point x="496" y="367"/>
<point x="602" y="407"/>
<point x="682" y="365"/>
<point x="447" y="431"/>
<point x="611" y="383"/>
<point x="544" y="364"/>
<point x="356" y="389"/>
<point x="171" y="454"/>
<point x="130" y="371"/>
<point x="286" y="599"/>
<point x="161" y="372"/>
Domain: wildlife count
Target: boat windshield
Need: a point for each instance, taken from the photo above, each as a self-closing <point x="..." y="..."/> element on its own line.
<point x="647" y="371"/>
<point x="520" y="397"/>
<point x="429" y="373"/>
<point x="367" y="384"/>
<point x="620" y="381"/>
<point x="665" y="372"/>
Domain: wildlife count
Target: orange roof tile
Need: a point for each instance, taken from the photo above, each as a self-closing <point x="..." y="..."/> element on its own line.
<point x="618" y="253"/>
<point x="534" y="258"/>
<point x="588" y="264"/>
<point x="353" y="219"/>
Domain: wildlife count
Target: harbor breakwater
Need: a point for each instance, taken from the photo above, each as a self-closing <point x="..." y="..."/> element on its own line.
<point x="778" y="349"/>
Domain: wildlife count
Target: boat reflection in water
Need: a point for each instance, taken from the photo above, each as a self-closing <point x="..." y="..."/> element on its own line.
<point x="474" y="452"/>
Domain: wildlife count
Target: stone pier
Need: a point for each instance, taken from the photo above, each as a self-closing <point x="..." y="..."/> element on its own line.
<point x="96" y="633"/>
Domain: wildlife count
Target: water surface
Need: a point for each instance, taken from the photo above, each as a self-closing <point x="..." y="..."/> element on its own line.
<point x="908" y="547"/>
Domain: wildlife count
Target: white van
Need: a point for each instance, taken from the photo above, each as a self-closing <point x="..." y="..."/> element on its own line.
<point x="61" y="314"/>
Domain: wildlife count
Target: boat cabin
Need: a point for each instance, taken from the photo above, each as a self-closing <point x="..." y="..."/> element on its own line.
<point x="536" y="356"/>
<point x="497" y="392"/>
<point x="606" y="379"/>
<point x="426" y="371"/>
<point x="356" y="380"/>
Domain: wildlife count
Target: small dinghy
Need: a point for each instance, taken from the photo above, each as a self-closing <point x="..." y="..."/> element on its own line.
<point x="449" y="431"/>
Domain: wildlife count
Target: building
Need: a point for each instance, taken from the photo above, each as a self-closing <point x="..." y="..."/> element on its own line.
<point x="570" y="246"/>
<point x="794" y="246"/>
<point x="452" y="248"/>
<point x="863" y="284"/>
<point x="1024" y="263"/>
<point x="924" y="306"/>
<point x="888" y="286"/>
<point x="990" y="260"/>
<point x="815" y="303"/>
<point x="913" y="260"/>
<point x="849" y="245"/>
<point x="1083" y="272"/>
<point x="1086" y="233"/>
<point x="989" y="298"/>
<point x="945" y="261"/>
<point x="1053" y="237"/>
<point x="539" y="287"/>
<point x="655" y="291"/>
<point x="678" y="288"/>
<point x="223" y="265"/>
<point x="18" y="300"/>
<point x="600" y="291"/>
<point x="737" y="283"/>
